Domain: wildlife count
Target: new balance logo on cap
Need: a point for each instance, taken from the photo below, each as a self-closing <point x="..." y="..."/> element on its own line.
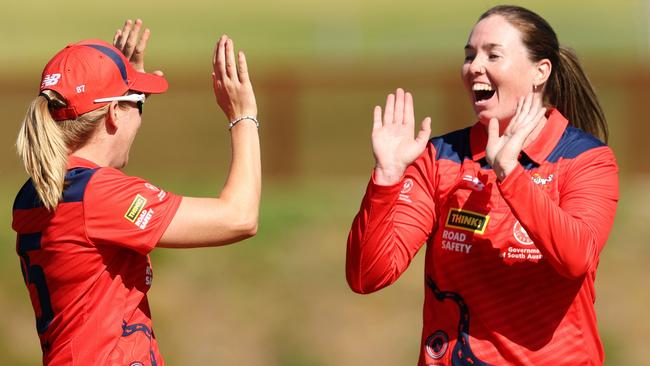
<point x="50" y="79"/>
<point x="90" y="70"/>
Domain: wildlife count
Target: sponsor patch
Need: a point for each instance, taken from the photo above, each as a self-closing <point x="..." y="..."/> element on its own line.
<point x="467" y="220"/>
<point x="473" y="183"/>
<point x="408" y="185"/>
<point x="148" y="276"/>
<point x="152" y="187"/>
<point x="406" y="188"/>
<point x="521" y="235"/>
<point x="538" y="179"/>
<point x="455" y="241"/>
<point x="136" y="207"/>
<point x="161" y="195"/>
<point x="144" y="218"/>
<point x="437" y="344"/>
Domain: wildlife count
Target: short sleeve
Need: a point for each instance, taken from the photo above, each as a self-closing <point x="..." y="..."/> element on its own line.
<point x="126" y="211"/>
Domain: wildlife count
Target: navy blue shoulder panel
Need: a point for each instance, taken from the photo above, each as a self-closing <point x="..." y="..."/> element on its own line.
<point x="453" y="146"/>
<point x="76" y="181"/>
<point x="573" y="142"/>
<point x="27" y="197"/>
<point x="75" y="184"/>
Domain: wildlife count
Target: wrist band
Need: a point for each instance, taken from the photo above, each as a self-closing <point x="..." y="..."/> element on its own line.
<point x="234" y="122"/>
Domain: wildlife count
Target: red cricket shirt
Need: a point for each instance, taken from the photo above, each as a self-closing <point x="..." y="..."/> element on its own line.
<point x="87" y="268"/>
<point x="510" y="266"/>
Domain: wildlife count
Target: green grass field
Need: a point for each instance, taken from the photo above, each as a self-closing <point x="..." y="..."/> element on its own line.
<point x="281" y="298"/>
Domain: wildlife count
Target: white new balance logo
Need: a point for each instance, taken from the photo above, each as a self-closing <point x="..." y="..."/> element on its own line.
<point x="51" y="79"/>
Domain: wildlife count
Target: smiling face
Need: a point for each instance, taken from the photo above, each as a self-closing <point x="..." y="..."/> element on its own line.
<point x="497" y="69"/>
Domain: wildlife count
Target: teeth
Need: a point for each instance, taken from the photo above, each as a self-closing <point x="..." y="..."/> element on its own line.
<point x="481" y="86"/>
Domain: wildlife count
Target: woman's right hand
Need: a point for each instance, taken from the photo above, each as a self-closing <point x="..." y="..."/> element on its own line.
<point x="231" y="82"/>
<point x="393" y="142"/>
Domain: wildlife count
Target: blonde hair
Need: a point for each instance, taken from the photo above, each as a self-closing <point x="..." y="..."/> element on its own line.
<point x="43" y="144"/>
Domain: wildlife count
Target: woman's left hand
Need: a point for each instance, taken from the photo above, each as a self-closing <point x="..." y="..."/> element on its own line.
<point x="133" y="44"/>
<point x="502" y="152"/>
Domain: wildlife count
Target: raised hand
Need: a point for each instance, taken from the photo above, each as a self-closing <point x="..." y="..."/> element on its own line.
<point x="133" y="44"/>
<point x="393" y="142"/>
<point x="502" y="152"/>
<point x="231" y="82"/>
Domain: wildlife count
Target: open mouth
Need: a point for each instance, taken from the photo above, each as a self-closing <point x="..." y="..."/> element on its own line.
<point x="482" y="92"/>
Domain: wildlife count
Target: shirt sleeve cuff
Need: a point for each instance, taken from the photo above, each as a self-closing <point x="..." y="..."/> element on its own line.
<point x="509" y="185"/>
<point x="381" y="191"/>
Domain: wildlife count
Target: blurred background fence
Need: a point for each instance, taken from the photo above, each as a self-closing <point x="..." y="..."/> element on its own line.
<point x="283" y="88"/>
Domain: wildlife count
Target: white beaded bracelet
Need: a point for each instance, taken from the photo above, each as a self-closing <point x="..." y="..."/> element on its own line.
<point x="234" y="122"/>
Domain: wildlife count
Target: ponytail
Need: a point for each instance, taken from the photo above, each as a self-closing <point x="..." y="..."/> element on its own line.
<point x="568" y="88"/>
<point x="571" y="92"/>
<point x="43" y="145"/>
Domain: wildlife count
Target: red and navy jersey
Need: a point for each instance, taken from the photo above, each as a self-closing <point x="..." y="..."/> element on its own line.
<point x="87" y="268"/>
<point x="510" y="266"/>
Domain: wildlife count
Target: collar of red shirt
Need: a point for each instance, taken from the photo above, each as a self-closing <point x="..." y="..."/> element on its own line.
<point x="538" y="150"/>
<point x="77" y="162"/>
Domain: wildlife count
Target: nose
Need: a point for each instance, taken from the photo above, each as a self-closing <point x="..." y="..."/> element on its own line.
<point x="476" y="66"/>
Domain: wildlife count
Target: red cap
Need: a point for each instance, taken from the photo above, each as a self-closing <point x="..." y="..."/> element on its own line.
<point x="93" y="69"/>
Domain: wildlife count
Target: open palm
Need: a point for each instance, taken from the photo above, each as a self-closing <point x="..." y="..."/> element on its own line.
<point x="502" y="151"/>
<point x="393" y="142"/>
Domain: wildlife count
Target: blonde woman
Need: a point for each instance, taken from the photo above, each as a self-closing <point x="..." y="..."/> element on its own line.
<point x="85" y="229"/>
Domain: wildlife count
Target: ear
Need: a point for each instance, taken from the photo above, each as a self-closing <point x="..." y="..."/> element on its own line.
<point x="112" y="118"/>
<point x="542" y="71"/>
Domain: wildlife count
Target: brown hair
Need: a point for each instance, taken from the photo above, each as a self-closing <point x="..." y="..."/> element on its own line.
<point x="43" y="144"/>
<point x="568" y="89"/>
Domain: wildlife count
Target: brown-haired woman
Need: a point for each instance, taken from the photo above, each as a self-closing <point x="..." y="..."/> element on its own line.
<point x="514" y="210"/>
<point x="85" y="229"/>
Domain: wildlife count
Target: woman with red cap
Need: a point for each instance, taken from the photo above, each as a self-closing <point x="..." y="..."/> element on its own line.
<point x="85" y="229"/>
<point x="513" y="210"/>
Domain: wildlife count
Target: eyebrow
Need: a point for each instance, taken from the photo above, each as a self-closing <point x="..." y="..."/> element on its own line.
<point x="488" y="46"/>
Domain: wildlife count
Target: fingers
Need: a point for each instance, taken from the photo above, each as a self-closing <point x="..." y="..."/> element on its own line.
<point x="116" y="37"/>
<point x="409" y="114"/>
<point x="231" y="66"/>
<point x="425" y="131"/>
<point x="220" y="55"/>
<point x="243" y="68"/>
<point x="527" y="104"/>
<point x="389" y="109"/>
<point x="225" y="66"/>
<point x="122" y="35"/>
<point x="138" y="53"/>
<point x="398" y="116"/>
<point x="126" y="39"/>
<point x="493" y="129"/>
<point x="131" y="43"/>
<point x="516" y="118"/>
<point x="376" y="122"/>
<point x="534" y="121"/>
<point x="132" y="39"/>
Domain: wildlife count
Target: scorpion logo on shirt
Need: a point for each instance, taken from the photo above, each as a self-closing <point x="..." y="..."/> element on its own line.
<point x="462" y="354"/>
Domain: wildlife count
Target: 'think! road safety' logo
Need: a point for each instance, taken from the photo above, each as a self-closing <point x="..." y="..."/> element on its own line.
<point x="136" y="207"/>
<point x="467" y="220"/>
